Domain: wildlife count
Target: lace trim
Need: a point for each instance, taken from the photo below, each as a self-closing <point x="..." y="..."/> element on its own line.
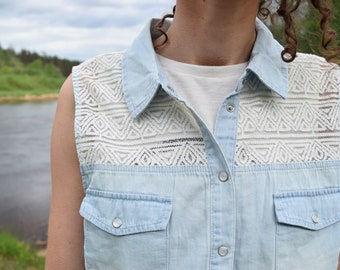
<point x="303" y="128"/>
<point x="164" y="135"/>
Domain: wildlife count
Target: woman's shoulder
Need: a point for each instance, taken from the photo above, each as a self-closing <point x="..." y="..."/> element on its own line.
<point x="312" y="79"/>
<point x="100" y="63"/>
<point x="312" y="61"/>
<point x="314" y="71"/>
<point x="98" y="79"/>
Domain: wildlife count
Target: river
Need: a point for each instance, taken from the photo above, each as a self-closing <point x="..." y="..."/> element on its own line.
<point x="25" y="131"/>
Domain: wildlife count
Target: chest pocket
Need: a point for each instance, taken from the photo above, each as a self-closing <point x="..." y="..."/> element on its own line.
<point x="119" y="226"/>
<point x="308" y="230"/>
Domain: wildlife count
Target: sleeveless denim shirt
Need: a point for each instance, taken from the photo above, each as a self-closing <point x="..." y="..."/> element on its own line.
<point x="262" y="191"/>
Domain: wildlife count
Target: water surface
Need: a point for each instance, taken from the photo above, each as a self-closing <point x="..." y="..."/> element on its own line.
<point x="25" y="130"/>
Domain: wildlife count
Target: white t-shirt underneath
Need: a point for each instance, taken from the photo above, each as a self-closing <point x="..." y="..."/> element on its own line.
<point x="203" y="87"/>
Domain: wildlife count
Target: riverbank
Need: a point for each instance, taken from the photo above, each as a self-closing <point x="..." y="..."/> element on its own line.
<point x="28" y="98"/>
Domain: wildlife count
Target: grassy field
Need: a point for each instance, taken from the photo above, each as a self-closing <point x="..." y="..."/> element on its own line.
<point x="19" y="81"/>
<point x="25" y="84"/>
<point x="34" y="79"/>
<point x="16" y="255"/>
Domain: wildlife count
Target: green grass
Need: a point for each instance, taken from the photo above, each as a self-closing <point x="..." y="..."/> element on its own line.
<point x="16" y="255"/>
<point x="12" y="84"/>
<point x="34" y="79"/>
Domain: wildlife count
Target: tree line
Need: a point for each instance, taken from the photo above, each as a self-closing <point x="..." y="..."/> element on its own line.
<point x="26" y="58"/>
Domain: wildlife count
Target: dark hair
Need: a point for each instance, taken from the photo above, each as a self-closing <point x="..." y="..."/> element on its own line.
<point x="285" y="10"/>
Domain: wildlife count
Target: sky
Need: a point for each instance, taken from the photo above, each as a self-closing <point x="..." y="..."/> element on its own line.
<point x="75" y="29"/>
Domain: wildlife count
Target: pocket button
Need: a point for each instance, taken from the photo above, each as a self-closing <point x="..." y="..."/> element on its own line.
<point x="117" y="223"/>
<point x="315" y="219"/>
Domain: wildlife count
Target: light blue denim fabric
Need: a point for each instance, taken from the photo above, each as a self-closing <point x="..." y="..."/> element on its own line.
<point x="216" y="216"/>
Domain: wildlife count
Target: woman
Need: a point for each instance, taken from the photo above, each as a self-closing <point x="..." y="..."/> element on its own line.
<point x="198" y="148"/>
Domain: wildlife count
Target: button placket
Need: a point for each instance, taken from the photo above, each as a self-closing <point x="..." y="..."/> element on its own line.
<point x="223" y="187"/>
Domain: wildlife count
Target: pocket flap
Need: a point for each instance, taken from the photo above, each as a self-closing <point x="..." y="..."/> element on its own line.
<point x="124" y="213"/>
<point x="312" y="209"/>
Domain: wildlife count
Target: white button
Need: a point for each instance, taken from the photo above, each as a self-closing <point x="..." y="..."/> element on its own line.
<point x="223" y="176"/>
<point x="117" y="223"/>
<point x="230" y="107"/>
<point x="223" y="251"/>
<point x="315" y="219"/>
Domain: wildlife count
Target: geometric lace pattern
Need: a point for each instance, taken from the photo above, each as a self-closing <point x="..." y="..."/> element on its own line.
<point x="165" y="134"/>
<point x="302" y="128"/>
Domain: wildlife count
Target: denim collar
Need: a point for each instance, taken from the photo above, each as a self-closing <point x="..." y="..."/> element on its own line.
<point x="142" y="74"/>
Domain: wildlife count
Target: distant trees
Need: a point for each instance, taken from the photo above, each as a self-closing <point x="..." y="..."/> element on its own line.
<point x="27" y="73"/>
<point x="11" y="58"/>
<point x="64" y="65"/>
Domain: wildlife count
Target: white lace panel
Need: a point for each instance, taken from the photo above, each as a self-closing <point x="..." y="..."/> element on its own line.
<point x="164" y="134"/>
<point x="302" y="128"/>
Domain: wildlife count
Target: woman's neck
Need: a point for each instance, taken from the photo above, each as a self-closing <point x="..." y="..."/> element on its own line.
<point x="211" y="32"/>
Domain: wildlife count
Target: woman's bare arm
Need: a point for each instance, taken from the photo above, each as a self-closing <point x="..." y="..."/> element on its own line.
<point x="65" y="230"/>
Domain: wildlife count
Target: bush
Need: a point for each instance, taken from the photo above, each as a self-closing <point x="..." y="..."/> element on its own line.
<point x="16" y="255"/>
